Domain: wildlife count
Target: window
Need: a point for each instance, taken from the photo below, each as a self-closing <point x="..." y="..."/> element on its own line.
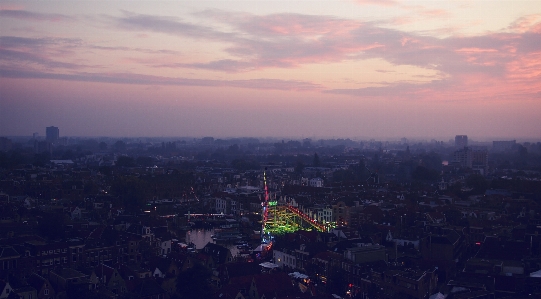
<point x="46" y="292"/>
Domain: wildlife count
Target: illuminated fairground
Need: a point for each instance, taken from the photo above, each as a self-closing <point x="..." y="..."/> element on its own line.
<point x="279" y="218"/>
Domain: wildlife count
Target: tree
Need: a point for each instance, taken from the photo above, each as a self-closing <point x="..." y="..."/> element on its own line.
<point x="120" y="145"/>
<point x="299" y="167"/>
<point x="478" y="183"/>
<point x="102" y="146"/>
<point x="343" y="175"/>
<point x="242" y="164"/>
<point x="125" y="161"/>
<point x="144" y="161"/>
<point x="361" y="172"/>
<point x="68" y="155"/>
<point x="194" y="283"/>
<point x="131" y="191"/>
<point x="41" y="159"/>
<point x="233" y="149"/>
<point x="431" y="161"/>
<point x="106" y="170"/>
<point x="424" y="174"/>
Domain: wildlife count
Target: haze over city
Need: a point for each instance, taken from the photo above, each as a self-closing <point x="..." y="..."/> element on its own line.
<point x="357" y="69"/>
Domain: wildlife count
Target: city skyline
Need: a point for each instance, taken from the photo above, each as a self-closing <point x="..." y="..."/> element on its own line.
<point x="349" y="69"/>
<point x="447" y="140"/>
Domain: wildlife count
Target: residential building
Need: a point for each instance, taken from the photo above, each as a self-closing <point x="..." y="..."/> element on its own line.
<point x="464" y="157"/>
<point x="52" y="134"/>
<point x="502" y="146"/>
<point x="461" y="140"/>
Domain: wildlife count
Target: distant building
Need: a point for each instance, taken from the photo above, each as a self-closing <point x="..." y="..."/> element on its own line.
<point x="476" y="159"/>
<point x="207" y="140"/>
<point x="42" y="146"/>
<point x="502" y="146"/>
<point x="480" y="160"/>
<point x="5" y="144"/>
<point x="316" y="182"/>
<point x="464" y="157"/>
<point x="52" y="134"/>
<point x="461" y="140"/>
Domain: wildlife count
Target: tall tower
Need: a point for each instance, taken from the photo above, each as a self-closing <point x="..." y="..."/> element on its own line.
<point x="52" y="134"/>
<point x="461" y="140"/>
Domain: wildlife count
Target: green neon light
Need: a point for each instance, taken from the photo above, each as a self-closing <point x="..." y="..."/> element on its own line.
<point x="273" y="203"/>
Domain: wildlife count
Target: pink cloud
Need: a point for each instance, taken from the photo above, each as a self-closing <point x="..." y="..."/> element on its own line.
<point x="43" y="52"/>
<point x="33" y="16"/>
<point x="468" y="64"/>
<point x="140" y="79"/>
<point x="530" y="23"/>
<point x="11" y="6"/>
<point x="402" y="21"/>
<point x="291" y="40"/>
<point x="476" y="50"/>
<point x="433" y="12"/>
<point x="416" y="13"/>
<point x="527" y="68"/>
<point x="378" y="2"/>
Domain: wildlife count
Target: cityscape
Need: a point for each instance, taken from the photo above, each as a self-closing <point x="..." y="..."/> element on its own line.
<point x="260" y="218"/>
<point x="270" y="149"/>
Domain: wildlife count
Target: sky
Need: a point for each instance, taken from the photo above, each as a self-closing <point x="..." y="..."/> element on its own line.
<point x="273" y="68"/>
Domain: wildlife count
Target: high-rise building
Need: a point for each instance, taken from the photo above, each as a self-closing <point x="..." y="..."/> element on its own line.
<point x="502" y="146"/>
<point x="461" y="140"/>
<point x="476" y="159"/>
<point x="464" y="157"/>
<point x="52" y="134"/>
<point x="480" y="161"/>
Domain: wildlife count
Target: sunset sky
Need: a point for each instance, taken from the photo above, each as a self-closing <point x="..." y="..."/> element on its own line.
<point x="313" y="68"/>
